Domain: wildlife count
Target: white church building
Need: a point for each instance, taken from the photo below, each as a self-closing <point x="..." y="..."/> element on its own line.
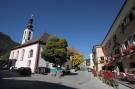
<point x="28" y="54"/>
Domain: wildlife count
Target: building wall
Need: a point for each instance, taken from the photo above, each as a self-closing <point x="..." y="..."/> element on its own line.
<point x="97" y="54"/>
<point x="91" y="61"/>
<point x="24" y="62"/>
<point x="127" y="62"/>
<point x="100" y="54"/>
<point x="42" y="62"/>
<point x="122" y="29"/>
<point x="115" y="29"/>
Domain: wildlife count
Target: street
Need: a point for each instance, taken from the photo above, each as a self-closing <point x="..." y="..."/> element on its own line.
<point x="78" y="80"/>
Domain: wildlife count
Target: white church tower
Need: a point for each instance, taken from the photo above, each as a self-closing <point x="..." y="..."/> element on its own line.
<point x="28" y="32"/>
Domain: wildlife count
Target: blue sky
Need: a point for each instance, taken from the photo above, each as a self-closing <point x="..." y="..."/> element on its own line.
<point x="83" y="23"/>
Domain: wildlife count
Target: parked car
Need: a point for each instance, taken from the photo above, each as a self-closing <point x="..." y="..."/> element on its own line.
<point x="89" y="70"/>
<point x="26" y="71"/>
<point x="2" y="64"/>
<point x="43" y="70"/>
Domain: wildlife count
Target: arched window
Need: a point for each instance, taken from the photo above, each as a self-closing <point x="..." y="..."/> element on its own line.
<point x="22" y="56"/>
<point x="12" y="55"/>
<point x="17" y="55"/>
<point x="30" y="53"/>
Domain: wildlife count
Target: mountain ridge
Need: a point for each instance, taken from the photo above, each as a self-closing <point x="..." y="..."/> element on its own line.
<point x="6" y="43"/>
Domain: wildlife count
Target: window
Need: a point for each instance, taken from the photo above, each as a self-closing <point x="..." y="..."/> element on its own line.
<point x="13" y="55"/>
<point x="17" y="55"/>
<point x="132" y="65"/>
<point x="126" y="44"/>
<point x="134" y="38"/>
<point x="130" y="16"/>
<point x="29" y="33"/>
<point x="114" y="39"/>
<point x="133" y="11"/>
<point x="102" y="58"/>
<point x="30" y="53"/>
<point x="126" y="21"/>
<point x="29" y="62"/>
<point x="122" y="28"/>
<point x="109" y="43"/>
<point x="22" y="56"/>
<point x="29" y="36"/>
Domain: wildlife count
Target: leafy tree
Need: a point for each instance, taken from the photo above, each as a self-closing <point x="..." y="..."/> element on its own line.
<point x="77" y="57"/>
<point x="55" y="50"/>
<point x="5" y="57"/>
<point x="72" y="51"/>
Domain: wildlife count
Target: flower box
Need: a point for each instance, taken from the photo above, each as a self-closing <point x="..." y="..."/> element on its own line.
<point x="126" y="51"/>
<point x="130" y="77"/>
<point x="132" y="47"/>
<point x="121" y="76"/>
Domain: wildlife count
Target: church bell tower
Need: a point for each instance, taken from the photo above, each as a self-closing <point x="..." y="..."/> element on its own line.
<point x="28" y="32"/>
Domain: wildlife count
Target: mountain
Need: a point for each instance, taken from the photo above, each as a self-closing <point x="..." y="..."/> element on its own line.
<point x="6" y="43"/>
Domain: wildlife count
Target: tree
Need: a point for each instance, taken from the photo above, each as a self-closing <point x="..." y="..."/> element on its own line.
<point x="55" y="50"/>
<point x="72" y="51"/>
<point x="5" y="57"/>
<point x="77" y="57"/>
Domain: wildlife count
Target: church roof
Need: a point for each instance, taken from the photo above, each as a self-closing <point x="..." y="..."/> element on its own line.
<point x="42" y="39"/>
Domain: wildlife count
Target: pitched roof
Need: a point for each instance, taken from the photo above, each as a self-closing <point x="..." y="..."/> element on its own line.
<point x="41" y="39"/>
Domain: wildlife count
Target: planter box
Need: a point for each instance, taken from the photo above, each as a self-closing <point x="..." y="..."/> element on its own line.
<point x="126" y="51"/>
<point x="132" y="47"/>
<point x="130" y="77"/>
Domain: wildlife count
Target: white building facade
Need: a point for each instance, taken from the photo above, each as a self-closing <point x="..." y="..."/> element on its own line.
<point x="28" y="54"/>
<point x="91" y="61"/>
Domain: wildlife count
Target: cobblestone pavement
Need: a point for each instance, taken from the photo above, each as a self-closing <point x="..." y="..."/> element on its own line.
<point x="78" y="80"/>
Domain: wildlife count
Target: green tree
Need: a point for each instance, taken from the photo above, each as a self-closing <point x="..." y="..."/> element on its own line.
<point x="55" y="50"/>
<point x="77" y="57"/>
<point x="72" y="51"/>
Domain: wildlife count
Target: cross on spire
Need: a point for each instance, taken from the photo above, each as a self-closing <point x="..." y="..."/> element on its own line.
<point x="29" y="25"/>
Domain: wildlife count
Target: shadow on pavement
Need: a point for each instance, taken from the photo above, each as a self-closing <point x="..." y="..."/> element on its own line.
<point x="71" y="74"/>
<point x="23" y="84"/>
<point x="14" y="83"/>
<point x="7" y="73"/>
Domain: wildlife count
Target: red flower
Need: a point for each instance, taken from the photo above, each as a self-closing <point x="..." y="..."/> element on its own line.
<point x="132" y="47"/>
<point x="126" y="51"/>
